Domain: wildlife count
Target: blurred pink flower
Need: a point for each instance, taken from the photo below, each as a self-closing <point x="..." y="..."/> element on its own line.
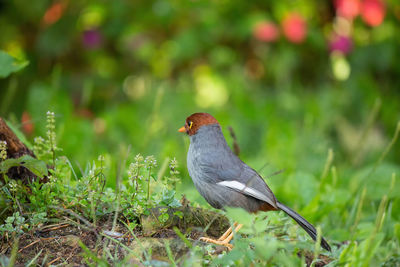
<point x="341" y="43"/>
<point x="294" y="28"/>
<point x="266" y="31"/>
<point x="92" y="38"/>
<point x="347" y="8"/>
<point x="373" y="12"/>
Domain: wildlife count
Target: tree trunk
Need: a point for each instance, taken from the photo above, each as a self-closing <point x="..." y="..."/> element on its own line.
<point x="15" y="149"/>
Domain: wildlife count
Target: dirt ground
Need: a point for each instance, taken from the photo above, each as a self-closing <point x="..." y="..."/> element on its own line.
<point x="74" y="243"/>
<point x="59" y="243"/>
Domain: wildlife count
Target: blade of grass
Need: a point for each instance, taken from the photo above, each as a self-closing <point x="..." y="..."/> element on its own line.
<point x="387" y="149"/>
<point x="371" y="243"/>
<point x="33" y="261"/>
<point x="328" y="163"/>
<point x="162" y="170"/>
<point x="14" y="252"/>
<point x="137" y="240"/>
<point x="117" y="186"/>
<point x="368" y="126"/>
<point x="334" y="176"/>
<point x="353" y="211"/>
<point x="380" y="217"/>
<point x="169" y="252"/>
<point x="92" y="256"/>
<point x="182" y="237"/>
<point x="358" y="213"/>
<point x="317" y="247"/>
<point x="72" y="169"/>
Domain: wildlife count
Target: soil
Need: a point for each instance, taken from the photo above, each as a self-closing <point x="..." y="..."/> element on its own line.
<point x="72" y="243"/>
<point x="59" y="243"/>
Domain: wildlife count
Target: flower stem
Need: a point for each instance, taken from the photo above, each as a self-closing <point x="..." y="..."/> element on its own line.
<point x="148" y="185"/>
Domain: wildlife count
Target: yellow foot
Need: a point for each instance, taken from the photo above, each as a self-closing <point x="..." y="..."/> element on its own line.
<point x="217" y="242"/>
<point x="225" y="238"/>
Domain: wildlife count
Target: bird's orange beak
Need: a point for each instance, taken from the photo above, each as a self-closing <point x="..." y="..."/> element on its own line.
<point x="182" y="129"/>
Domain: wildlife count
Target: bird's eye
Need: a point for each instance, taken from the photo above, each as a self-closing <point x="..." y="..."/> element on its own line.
<point x="190" y="124"/>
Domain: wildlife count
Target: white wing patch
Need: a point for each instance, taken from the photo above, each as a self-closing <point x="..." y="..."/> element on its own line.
<point x="238" y="186"/>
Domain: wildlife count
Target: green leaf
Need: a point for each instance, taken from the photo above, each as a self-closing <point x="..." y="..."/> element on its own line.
<point x="36" y="166"/>
<point x="8" y="64"/>
<point x="7" y="164"/>
<point x="163" y="217"/>
<point x="239" y="215"/>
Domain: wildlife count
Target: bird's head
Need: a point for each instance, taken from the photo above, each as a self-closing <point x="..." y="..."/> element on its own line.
<point x="195" y="121"/>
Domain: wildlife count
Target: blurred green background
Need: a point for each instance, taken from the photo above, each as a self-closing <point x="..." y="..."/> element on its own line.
<point x="293" y="79"/>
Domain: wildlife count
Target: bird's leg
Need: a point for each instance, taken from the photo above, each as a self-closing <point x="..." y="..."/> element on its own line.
<point x="227" y="233"/>
<point x="225" y="238"/>
<point x="229" y="237"/>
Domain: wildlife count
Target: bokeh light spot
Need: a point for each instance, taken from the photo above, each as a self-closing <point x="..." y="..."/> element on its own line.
<point x="105" y="66"/>
<point x="341" y="43"/>
<point x="340" y="66"/>
<point x="92" y="39"/>
<point x="266" y="31"/>
<point x="91" y="17"/>
<point x="347" y="8"/>
<point x="373" y="12"/>
<point x="294" y="28"/>
<point x="134" y="87"/>
<point x="99" y="125"/>
<point x="210" y="90"/>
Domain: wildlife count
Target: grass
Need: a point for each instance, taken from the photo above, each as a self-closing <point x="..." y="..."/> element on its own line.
<point x="348" y="192"/>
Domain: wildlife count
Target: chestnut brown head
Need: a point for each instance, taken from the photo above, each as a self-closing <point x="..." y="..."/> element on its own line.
<point x="195" y="121"/>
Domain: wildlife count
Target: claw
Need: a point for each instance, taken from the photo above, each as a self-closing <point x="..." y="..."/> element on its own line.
<point x="224" y="243"/>
<point x="225" y="238"/>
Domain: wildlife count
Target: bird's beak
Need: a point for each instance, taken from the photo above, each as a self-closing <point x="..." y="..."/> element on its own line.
<point x="182" y="129"/>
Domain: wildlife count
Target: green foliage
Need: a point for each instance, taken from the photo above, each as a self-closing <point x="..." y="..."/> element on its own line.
<point x="330" y="120"/>
<point x="9" y="65"/>
<point x="13" y="224"/>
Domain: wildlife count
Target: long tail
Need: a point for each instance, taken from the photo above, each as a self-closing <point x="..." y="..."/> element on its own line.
<point x="308" y="227"/>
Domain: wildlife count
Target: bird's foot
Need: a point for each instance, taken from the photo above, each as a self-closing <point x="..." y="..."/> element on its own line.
<point x="224" y="242"/>
<point x="225" y="238"/>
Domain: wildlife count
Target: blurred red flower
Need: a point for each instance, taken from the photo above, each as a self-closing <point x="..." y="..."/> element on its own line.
<point x="266" y="31"/>
<point x="294" y="28"/>
<point x="373" y="12"/>
<point x="54" y="13"/>
<point x="347" y="8"/>
<point x="27" y="125"/>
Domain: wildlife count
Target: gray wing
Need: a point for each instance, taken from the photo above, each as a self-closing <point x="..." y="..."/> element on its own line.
<point x="238" y="177"/>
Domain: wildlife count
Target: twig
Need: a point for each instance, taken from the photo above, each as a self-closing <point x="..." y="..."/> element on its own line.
<point x="29" y="245"/>
<point x="74" y="214"/>
<point x="276" y="173"/>
<point x="56" y="227"/>
<point x="236" y="148"/>
<point x="47" y="238"/>
<point x="53" y="261"/>
<point x="36" y="241"/>
<point x="77" y="224"/>
<point x="49" y="226"/>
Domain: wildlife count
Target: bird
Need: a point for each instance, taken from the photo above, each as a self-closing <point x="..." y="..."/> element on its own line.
<point x="224" y="180"/>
